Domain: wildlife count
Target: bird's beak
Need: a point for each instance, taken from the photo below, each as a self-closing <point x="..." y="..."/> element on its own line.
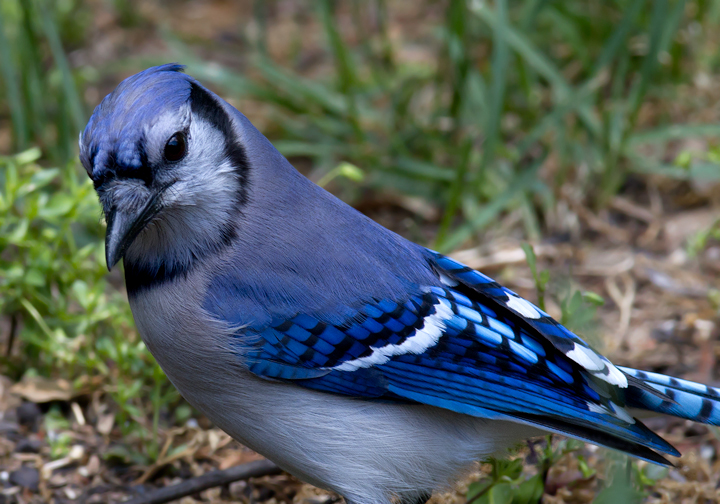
<point x="125" y="224"/>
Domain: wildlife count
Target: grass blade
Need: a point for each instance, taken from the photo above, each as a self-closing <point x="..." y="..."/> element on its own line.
<point x="500" y="61"/>
<point x="674" y="132"/>
<point x="640" y="87"/>
<point x="14" y="96"/>
<point x="538" y="62"/>
<point x="71" y="93"/>
<point x="619" y="36"/>
<point x="456" y="191"/>
<point x="344" y="64"/>
<point x="522" y="182"/>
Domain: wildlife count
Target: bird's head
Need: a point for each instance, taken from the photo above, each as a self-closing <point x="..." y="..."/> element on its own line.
<point x="170" y="172"/>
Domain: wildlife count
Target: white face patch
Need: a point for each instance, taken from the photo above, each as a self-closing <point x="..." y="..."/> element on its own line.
<point x="522" y="307"/>
<point x="422" y="339"/>
<point x="197" y="207"/>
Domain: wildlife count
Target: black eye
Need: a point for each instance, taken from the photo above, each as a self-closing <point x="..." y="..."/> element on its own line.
<point x="176" y="147"/>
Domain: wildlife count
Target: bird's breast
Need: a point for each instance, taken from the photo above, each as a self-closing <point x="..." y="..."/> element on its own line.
<point x="191" y="347"/>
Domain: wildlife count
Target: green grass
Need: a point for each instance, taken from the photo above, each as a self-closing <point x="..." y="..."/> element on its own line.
<point x="41" y="90"/>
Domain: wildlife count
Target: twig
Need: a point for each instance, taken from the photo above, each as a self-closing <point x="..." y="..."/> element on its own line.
<point x="632" y="209"/>
<point x="624" y="300"/>
<point x="209" y="480"/>
<point x="11" y="336"/>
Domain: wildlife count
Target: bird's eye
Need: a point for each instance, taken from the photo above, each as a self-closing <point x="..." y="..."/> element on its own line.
<point x="176" y="147"/>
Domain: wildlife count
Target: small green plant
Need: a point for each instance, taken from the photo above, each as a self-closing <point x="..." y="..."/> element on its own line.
<point x="506" y="485"/>
<point x="577" y="308"/>
<point x="57" y="428"/>
<point x="626" y="481"/>
<point x="509" y="483"/>
<point x="541" y="278"/>
<point x="345" y="170"/>
<point x="53" y="287"/>
<point x="699" y="241"/>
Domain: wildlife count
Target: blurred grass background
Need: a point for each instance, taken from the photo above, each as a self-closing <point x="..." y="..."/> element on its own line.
<point x="461" y="112"/>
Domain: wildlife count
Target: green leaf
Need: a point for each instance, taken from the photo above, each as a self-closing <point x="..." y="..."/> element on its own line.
<point x="683" y="159"/>
<point x="344" y="169"/>
<point x="502" y="493"/>
<point x="28" y="156"/>
<point x="674" y="132"/>
<point x="651" y="473"/>
<point x="423" y="169"/>
<point x="82" y="293"/>
<point x="593" y="298"/>
<point x="507" y="469"/>
<point x="620" y="490"/>
<point x="544" y="279"/>
<point x="537" y="61"/>
<point x="18" y="234"/>
<point x="500" y="63"/>
<point x="70" y="90"/>
<point x="530" y="257"/>
<point x="530" y="491"/>
<point x="12" y="87"/>
<point x="38" y="180"/>
<point x="182" y="413"/>
<point x="350" y="171"/>
<point x="58" y="205"/>
<point x="34" y="277"/>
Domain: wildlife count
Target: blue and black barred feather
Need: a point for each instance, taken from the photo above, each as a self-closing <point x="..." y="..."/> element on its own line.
<point x="472" y="346"/>
<point x="680" y="398"/>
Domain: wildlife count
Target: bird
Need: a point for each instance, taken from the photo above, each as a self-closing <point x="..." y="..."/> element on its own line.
<point x="356" y="360"/>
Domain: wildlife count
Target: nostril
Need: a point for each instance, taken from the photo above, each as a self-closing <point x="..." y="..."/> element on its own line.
<point x="112" y="171"/>
<point x="142" y="173"/>
<point x="101" y="177"/>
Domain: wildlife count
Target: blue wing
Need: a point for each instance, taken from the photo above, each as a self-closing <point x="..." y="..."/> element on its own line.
<point x="467" y="344"/>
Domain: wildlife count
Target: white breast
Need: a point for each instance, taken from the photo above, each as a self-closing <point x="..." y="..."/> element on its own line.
<point x="367" y="451"/>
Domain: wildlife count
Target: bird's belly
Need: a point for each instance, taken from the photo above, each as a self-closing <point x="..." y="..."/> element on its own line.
<point x="365" y="450"/>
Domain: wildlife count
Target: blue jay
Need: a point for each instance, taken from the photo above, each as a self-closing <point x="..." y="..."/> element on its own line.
<point x="356" y="360"/>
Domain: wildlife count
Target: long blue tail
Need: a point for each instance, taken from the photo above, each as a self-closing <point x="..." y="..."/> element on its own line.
<point x="689" y="400"/>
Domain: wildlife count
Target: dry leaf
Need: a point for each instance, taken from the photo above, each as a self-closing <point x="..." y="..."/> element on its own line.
<point x="105" y="423"/>
<point x="38" y="389"/>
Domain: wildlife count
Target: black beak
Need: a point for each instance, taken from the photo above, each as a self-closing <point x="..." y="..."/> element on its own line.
<point x="124" y="225"/>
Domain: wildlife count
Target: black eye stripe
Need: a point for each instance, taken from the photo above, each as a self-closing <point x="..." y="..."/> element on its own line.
<point x="176" y="147"/>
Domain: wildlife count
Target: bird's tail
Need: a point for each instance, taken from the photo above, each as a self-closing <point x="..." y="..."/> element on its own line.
<point x="684" y="399"/>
